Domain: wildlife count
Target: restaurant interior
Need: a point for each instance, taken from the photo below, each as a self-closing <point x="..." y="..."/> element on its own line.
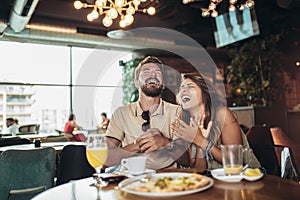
<point x="258" y="72"/>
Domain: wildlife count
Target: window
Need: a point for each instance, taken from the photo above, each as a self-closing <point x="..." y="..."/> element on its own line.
<point x="43" y="84"/>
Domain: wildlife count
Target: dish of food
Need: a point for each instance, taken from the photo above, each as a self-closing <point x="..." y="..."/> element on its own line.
<point x="249" y="175"/>
<point x="168" y="185"/>
<point x="220" y="175"/>
<point x="252" y="174"/>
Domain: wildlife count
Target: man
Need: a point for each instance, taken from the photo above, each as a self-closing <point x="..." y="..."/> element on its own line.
<point x="12" y="128"/>
<point x="143" y="127"/>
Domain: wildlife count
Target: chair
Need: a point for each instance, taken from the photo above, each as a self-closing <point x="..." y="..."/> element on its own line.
<point x="13" y="141"/>
<point x="29" y="129"/>
<point x="277" y="160"/>
<point x="73" y="164"/>
<point x="259" y="134"/>
<point x="281" y="138"/>
<point x="25" y="173"/>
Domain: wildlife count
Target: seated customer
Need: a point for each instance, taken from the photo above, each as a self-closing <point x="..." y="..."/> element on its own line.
<point x="207" y="123"/>
<point x="71" y="124"/>
<point x="12" y="127"/>
<point x="143" y="127"/>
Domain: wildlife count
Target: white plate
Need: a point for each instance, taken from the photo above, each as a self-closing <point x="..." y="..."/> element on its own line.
<point x="252" y="178"/>
<point x="164" y="194"/>
<point x="220" y="175"/>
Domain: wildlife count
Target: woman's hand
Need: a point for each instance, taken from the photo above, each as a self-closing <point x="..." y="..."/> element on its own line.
<point x="191" y="133"/>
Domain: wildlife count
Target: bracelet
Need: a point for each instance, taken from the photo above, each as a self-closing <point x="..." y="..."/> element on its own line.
<point x="208" y="152"/>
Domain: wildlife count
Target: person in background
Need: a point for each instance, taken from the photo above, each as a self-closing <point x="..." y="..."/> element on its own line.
<point x="71" y="124"/>
<point x="207" y="123"/>
<point x="16" y="121"/>
<point x="143" y="127"/>
<point x="104" y="124"/>
<point x="12" y="127"/>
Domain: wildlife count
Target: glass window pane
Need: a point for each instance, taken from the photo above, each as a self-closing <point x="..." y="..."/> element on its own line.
<point x="34" y="63"/>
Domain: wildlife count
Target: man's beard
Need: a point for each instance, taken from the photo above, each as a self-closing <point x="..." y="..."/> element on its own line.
<point x="151" y="91"/>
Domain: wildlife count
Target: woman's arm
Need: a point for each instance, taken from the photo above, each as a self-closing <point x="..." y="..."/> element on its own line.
<point x="230" y="131"/>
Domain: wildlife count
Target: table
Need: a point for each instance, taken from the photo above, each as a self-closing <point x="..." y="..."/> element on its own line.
<point x="32" y="137"/>
<point x="58" y="146"/>
<point x="267" y="188"/>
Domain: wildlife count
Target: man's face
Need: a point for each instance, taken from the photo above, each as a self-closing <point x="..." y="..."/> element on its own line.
<point x="150" y="80"/>
<point x="9" y="123"/>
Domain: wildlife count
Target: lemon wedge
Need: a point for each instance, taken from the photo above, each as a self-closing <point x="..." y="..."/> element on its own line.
<point x="253" y="172"/>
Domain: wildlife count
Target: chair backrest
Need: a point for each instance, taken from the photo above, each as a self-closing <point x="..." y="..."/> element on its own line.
<point x="259" y="134"/>
<point x="13" y="141"/>
<point x="277" y="160"/>
<point x="73" y="164"/>
<point x="29" y="128"/>
<point x="281" y="138"/>
<point x="25" y="173"/>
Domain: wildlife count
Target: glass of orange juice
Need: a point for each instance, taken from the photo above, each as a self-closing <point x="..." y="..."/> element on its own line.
<point x="96" y="153"/>
<point x="232" y="158"/>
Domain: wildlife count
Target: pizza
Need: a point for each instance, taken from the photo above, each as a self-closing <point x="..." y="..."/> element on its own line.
<point x="171" y="184"/>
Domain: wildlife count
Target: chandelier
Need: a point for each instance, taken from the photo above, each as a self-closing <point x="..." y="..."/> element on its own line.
<point x="211" y="10"/>
<point x="112" y="9"/>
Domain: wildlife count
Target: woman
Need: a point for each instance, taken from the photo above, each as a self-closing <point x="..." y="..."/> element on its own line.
<point x="206" y="122"/>
<point x="71" y="124"/>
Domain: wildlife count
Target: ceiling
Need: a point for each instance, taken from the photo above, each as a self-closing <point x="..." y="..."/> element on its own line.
<point x="273" y="16"/>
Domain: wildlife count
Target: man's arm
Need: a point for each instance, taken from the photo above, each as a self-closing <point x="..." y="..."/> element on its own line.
<point x="117" y="153"/>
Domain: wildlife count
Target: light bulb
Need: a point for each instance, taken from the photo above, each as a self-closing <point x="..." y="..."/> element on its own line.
<point x="112" y="13"/>
<point x="212" y="6"/>
<point x="231" y="8"/>
<point x="151" y="10"/>
<point x="122" y="23"/>
<point x="242" y="7"/>
<point x="90" y="17"/>
<point x="214" y="13"/>
<point x="250" y="4"/>
<point x="128" y="19"/>
<point x="185" y="1"/>
<point x="136" y="2"/>
<point x="130" y="10"/>
<point x="107" y="21"/>
<point x="119" y="3"/>
<point x="100" y="3"/>
<point x="232" y="1"/>
<point x="78" y="5"/>
<point x="95" y="14"/>
<point x="205" y="13"/>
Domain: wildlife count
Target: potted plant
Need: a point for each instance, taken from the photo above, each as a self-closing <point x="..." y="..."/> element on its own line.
<point x="256" y="72"/>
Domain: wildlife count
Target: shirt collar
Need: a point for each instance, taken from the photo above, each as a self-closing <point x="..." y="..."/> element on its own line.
<point x="159" y="111"/>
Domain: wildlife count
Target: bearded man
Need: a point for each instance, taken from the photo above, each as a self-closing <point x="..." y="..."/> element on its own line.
<point x="143" y="127"/>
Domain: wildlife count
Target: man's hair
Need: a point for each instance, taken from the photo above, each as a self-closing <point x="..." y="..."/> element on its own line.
<point x="148" y="59"/>
<point x="104" y="114"/>
<point x="71" y="117"/>
<point x="10" y="119"/>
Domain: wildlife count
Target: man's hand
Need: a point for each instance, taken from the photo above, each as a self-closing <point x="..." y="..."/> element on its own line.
<point x="151" y="141"/>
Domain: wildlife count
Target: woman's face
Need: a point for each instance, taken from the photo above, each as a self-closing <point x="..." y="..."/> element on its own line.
<point x="189" y="95"/>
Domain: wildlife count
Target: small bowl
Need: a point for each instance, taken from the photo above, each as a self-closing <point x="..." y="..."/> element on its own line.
<point x="252" y="178"/>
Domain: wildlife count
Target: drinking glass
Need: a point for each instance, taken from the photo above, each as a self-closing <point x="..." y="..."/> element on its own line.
<point x="96" y="153"/>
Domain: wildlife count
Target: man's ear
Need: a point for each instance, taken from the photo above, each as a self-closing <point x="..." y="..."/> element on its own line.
<point x="136" y="83"/>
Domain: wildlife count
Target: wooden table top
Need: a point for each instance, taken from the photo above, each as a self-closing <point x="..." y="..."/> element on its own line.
<point x="267" y="188"/>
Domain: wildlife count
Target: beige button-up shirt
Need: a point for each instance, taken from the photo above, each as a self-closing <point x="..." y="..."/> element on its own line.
<point x="126" y="126"/>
